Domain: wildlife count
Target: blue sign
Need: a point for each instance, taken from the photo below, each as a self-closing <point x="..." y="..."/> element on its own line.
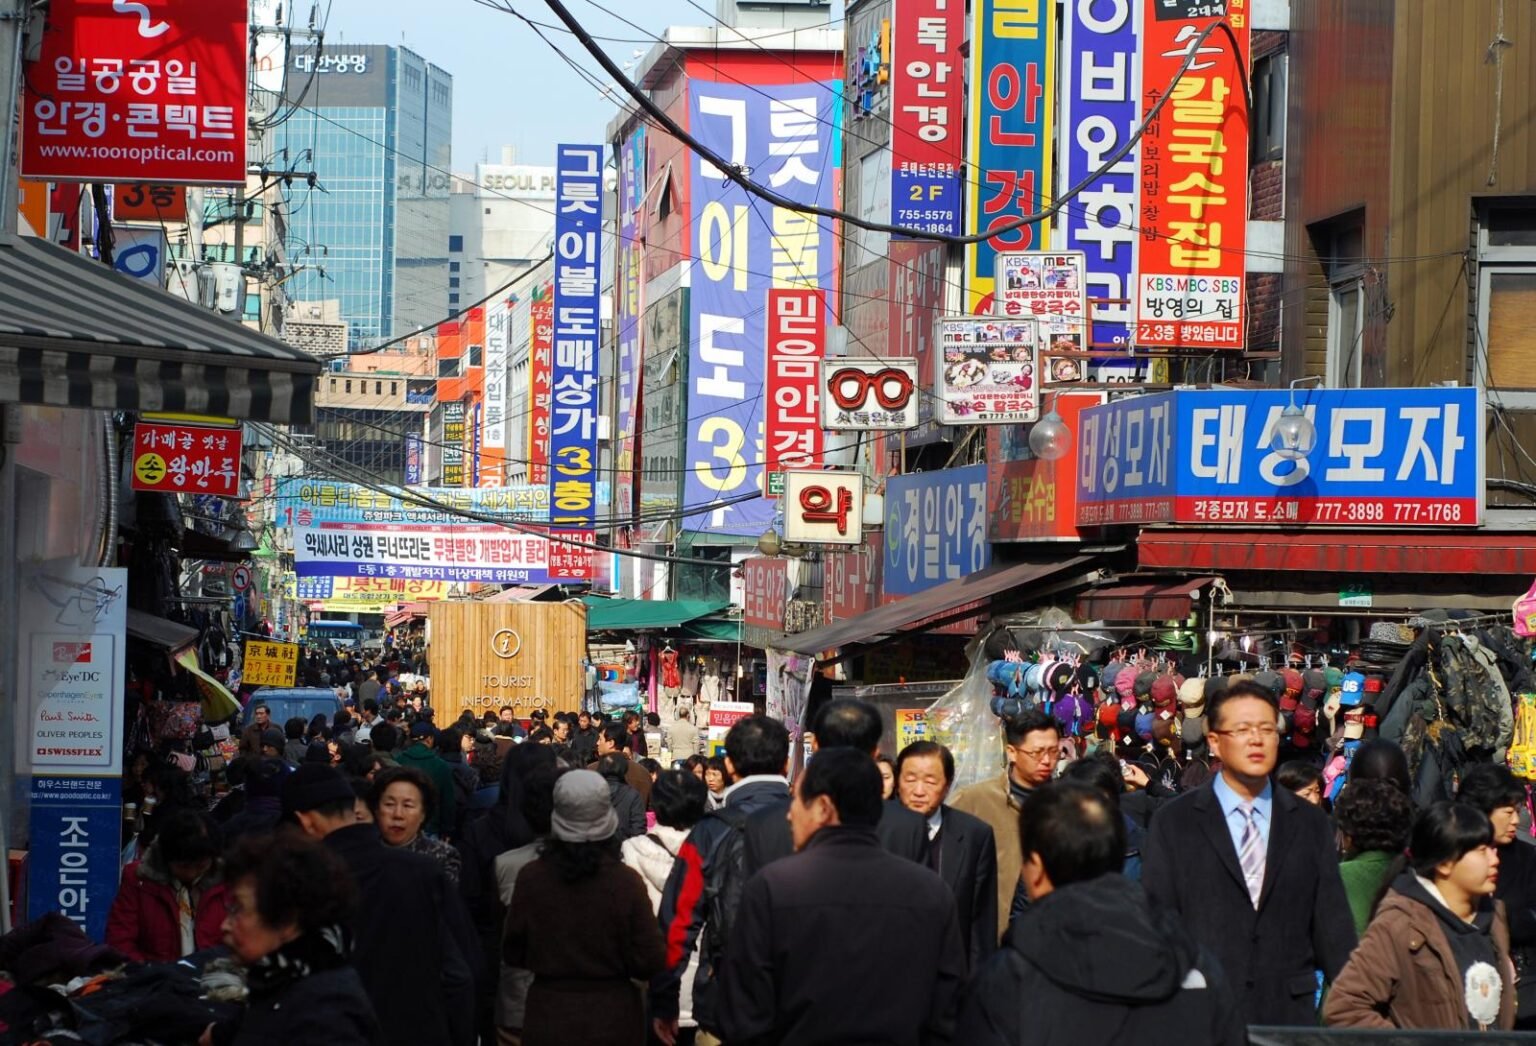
<point x="1099" y="108"/>
<point x="313" y="589"/>
<point x="412" y="459"/>
<point x="935" y="528"/>
<point x="76" y="849"/>
<point x="788" y="136"/>
<point x="578" y="328"/>
<point x="1380" y="458"/>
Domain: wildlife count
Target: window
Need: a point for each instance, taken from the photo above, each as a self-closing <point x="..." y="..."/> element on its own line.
<point x="453" y="282"/>
<point x="378" y="388"/>
<point x="474" y="355"/>
<point x="1269" y="90"/>
<point x="455" y="245"/>
<point x="453" y="266"/>
<point x="1341" y="245"/>
<point x="447" y="368"/>
<point x="1505" y="344"/>
<point x="453" y="299"/>
<point x="349" y="386"/>
<point x="333" y="384"/>
<point x="394" y="388"/>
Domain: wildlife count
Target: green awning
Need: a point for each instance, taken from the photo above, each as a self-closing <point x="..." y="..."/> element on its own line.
<point x="620" y="615"/>
<point x="713" y="629"/>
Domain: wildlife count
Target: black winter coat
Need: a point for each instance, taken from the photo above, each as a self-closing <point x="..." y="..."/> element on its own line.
<point x="326" y="1008"/>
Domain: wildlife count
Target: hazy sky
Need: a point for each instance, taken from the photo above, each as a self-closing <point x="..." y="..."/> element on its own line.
<point x="509" y="88"/>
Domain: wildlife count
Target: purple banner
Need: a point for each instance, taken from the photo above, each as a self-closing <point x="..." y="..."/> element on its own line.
<point x="788" y="136"/>
<point x="627" y="308"/>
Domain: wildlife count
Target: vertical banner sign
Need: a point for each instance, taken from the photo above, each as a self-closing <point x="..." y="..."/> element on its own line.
<point x="412" y="459"/>
<point x="472" y="443"/>
<point x="1194" y="186"/>
<point x="745" y="246"/>
<point x="573" y="410"/>
<point x="797" y="342"/>
<point x="1100" y="107"/>
<point x="927" y="108"/>
<point x="453" y="444"/>
<point x="627" y="314"/>
<point x="493" y="417"/>
<point x="76" y="853"/>
<point x="126" y="92"/>
<point x="1013" y="54"/>
<point x="541" y="352"/>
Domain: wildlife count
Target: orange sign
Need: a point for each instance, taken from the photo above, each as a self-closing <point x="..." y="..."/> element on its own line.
<point x="148" y="202"/>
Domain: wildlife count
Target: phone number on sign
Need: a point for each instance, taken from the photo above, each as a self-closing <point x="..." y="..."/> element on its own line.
<point x="1362" y="511"/>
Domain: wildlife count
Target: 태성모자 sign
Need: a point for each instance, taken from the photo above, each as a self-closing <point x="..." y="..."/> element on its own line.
<point x="935" y="528"/>
<point x="270" y="664"/>
<point x="927" y="106"/>
<point x="989" y="372"/>
<point x="132" y="93"/>
<point x="869" y="395"/>
<point x="578" y="287"/>
<point x="1381" y="458"/>
<point x="189" y="459"/>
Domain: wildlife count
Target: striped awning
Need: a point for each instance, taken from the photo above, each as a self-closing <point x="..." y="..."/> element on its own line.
<point x="73" y="333"/>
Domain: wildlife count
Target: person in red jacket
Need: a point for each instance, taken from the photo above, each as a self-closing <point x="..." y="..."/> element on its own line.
<point x="172" y="902"/>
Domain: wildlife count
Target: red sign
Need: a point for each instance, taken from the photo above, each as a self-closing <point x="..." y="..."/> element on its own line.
<point x="568" y="562"/>
<point x="1031" y="499"/>
<point x="927" y="99"/>
<point x="1194" y="182"/>
<point x="541" y="348"/>
<point x="851" y="580"/>
<point x="127" y="92"/>
<point x="797" y="341"/>
<point x="145" y="202"/>
<point x="764" y="592"/>
<point x="186" y="459"/>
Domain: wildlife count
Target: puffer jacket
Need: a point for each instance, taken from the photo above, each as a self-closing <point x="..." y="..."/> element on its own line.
<point x="652" y="855"/>
<point x="143" y="923"/>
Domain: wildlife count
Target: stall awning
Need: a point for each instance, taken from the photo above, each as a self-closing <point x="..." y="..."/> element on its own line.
<point x="73" y="333"/>
<point x="1319" y="551"/>
<point x="519" y="594"/>
<point x="713" y="630"/>
<point x="622" y="615"/>
<point x="406" y="613"/>
<point x="171" y="636"/>
<point x="996" y="581"/>
<point x="1151" y="601"/>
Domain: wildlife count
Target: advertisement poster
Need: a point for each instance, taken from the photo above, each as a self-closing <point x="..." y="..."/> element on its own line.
<point x="493" y="413"/>
<point x="123" y="92"/>
<point x="578" y="331"/>
<point x="1048" y="286"/>
<point x="541" y="360"/>
<point x="270" y="664"/>
<point x="790" y="135"/>
<point x="465" y="552"/>
<point x="1194" y="184"/>
<point x="75" y="858"/>
<point x="990" y="370"/>
<point x="453" y="444"/>
<point x="869" y="395"/>
<point x="302" y="501"/>
<point x="797" y="341"/>
<point x="367" y="595"/>
<point x="935" y="528"/>
<point x="192" y="459"/>
<point x="927" y="109"/>
<point x="911" y="725"/>
<point x="1013" y="56"/>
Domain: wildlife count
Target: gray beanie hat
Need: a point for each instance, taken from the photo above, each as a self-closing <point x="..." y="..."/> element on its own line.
<point x="583" y="809"/>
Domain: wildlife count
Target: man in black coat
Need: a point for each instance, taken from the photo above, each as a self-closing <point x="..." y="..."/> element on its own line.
<point x="1091" y="960"/>
<point x="1252" y="870"/>
<point x="409" y="917"/>
<point x="842" y="942"/>
<point x="960" y="847"/>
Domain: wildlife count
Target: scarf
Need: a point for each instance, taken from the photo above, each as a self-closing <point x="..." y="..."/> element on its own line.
<point x="326" y="948"/>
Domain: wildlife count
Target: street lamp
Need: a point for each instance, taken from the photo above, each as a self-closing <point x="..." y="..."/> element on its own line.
<point x="1050" y="439"/>
<point x="770" y="544"/>
<point x="1294" y="435"/>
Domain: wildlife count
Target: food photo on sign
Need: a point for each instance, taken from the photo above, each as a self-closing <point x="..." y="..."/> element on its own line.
<point x="990" y="370"/>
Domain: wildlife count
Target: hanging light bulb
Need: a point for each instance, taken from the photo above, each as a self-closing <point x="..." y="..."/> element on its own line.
<point x="1050" y="439"/>
<point x="1294" y="434"/>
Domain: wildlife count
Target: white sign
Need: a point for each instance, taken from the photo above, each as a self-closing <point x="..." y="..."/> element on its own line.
<point x="822" y="507"/>
<point x="76" y="669"/>
<point x="516" y="181"/>
<point x="1049" y="287"/>
<point x="869" y="395"/>
<point x="493" y="418"/>
<point x="989" y="371"/>
<point x="140" y="252"/>
<point x="420" y="552"/>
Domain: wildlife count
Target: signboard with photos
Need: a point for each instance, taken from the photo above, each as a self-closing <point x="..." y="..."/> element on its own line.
<point x="869" y="394"/>
<point x="1050" y="287"/>
<point x="990" y="370"/>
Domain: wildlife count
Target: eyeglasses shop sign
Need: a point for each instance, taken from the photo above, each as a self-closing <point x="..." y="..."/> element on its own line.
<point x="1381" y="458"/>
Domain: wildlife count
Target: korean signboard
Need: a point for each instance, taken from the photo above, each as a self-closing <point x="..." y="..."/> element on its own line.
<point x="866" y="394"/>
<point x="1032" y="499"/>
<point x="927" y="103"/>
<point x="75" y="857"/>
<point x="1381" y="458"/>
<point x="366" y="595"/>
<point x="764" y="592"/>
<point x="1100" y="105"/>
<point x="269" y="664"/>
<point x="302" y="501"/>
<point x="412" y="459"/>
<point x="627" y="321"/>
<point x="472" y="443"/>
<point x="935" y="528"/>
<point x="989" y="372"/>
<point x="1013" y="44"/>
<point x="797" y="341"/>
<point x="435" y="552"/>
<point x="743" y="246"/>
<point x="541" y="361"/>
<point x="123" y="92"/>
<point x="1194" y="184"/>
<point x="851" y="579"/>
<point x="186" y="459"/>
<point x="578" y="285"/>
<point x="824" y="507"/>
<point x="1048" y="286"/>
<point x="493" y="415"/>
<point x="141" y="252"/>
<point x="144" y="202"/>
<point x="453" y="444"/>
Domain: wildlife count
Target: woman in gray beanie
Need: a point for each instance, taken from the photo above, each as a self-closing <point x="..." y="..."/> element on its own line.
<point x="586" y="973"/>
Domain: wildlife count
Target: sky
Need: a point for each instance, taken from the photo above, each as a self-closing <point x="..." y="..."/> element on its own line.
<point x="509" y="88"/>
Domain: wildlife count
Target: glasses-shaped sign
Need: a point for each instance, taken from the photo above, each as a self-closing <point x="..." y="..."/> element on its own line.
<point x="869" y="395"/>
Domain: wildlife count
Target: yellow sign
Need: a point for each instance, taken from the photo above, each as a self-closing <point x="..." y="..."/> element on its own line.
<point x="150" y="468"/>
<point x="365" y="595"/>
<point x="189" y="419"/>
<point x="911" y="725"/>
<point x="270" y="664"/>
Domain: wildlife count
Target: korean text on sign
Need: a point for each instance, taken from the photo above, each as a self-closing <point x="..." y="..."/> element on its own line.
<point x="541" y="362"/>
<point x="578" y="282"/>
<point x="187" y="459"/>
<point x="493" y="417"/>
<point x="1194" y="181"/>
<point x="927" y="101"/>
<point x="270" y="664"/>
<point x="935" y="528"/>
<point x="126" y="92"/>
<point x="797" y="334"/>
<point x="453" y="444"/>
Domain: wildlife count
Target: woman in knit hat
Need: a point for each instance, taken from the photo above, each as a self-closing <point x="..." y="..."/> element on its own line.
<point x="585" y="970"/>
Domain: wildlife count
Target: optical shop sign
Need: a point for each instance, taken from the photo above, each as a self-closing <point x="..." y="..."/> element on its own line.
<point x="1379" y="458"/>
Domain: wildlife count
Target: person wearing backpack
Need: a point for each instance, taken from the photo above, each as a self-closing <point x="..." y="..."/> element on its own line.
<point x="704" y="889"/>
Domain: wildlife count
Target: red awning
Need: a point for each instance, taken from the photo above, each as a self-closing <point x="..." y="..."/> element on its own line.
<point x="1323" y="551"/>
<point x="1154" y="601"/>
<point x="407" y="612"/>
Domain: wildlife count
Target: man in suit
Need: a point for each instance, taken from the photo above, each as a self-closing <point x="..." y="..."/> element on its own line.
<point x="960" y="847"/>
<point x="1251" y="870"/>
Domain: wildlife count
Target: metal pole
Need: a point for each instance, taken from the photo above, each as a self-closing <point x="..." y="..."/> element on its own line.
<point x="13" y="25"/>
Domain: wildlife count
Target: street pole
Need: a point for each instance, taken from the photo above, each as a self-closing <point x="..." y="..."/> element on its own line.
<point x="13" y="28"/>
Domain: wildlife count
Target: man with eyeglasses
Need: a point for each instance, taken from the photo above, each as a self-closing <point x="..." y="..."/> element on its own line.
<point x="1032" y="743"/>
<point x="1251" y="870"/>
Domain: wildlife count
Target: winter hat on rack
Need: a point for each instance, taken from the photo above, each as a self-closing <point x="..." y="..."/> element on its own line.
<point x="1314" y="686"/>
<point x="1125" y="683"/>
<point x="1142" y="688"/>
<point x="1110" y="674"/>
<point x="1192" y="694"/>
<point x="1271" y="681"/>
<point x="1165" y="692"/>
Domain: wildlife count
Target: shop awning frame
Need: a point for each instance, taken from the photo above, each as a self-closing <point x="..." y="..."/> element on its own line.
<point x="73" y="333"/>
<point x="638" y="615"/>
<point x="1162" y="600"/>
<point x="994" y="585"/>
<point x="170" y="636"/>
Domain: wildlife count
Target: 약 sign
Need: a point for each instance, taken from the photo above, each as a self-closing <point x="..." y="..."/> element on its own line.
<point x="192" y="459"/>
<point x="270" y="664"/>
<point x="869" y="395"/>
<point x="824" y="507"/>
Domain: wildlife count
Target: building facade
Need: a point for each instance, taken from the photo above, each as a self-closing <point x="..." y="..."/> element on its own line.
<point x="501" y="224"/>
